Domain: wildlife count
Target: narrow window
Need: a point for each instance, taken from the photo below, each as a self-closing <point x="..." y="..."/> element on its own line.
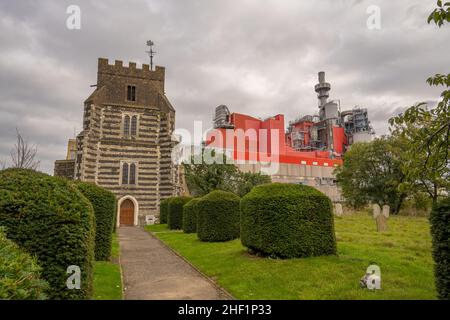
<point x="132" y="173"/>
<point x="126" y="125"/>
<point x="133" y="125"/>
<point x="131" y="93"/>
<point x="125" y="173"/>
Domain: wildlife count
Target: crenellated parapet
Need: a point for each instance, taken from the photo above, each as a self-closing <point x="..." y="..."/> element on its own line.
<point x="106" y="70"/>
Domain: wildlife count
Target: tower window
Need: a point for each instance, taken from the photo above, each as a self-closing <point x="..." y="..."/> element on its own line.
<point x="133" y="125"/>
<point x="132" y="174"/>
<point x="131" y="93"/>
<point x="129" y="173"/>
<point x="125" y="173"/>
<point x="130" y="125"/>
<point x="126" y="125"/>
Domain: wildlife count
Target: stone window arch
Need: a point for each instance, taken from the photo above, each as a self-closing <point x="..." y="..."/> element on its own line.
<point x="126" y="125"/>
<point x="124" y="173"/>
<point x="132" y="178"/>
<point x="129" y="172"/>
<point x="134" y="123"/>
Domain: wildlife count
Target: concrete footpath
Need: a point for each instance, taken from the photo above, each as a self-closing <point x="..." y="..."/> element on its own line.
<point x="151" y="271"/>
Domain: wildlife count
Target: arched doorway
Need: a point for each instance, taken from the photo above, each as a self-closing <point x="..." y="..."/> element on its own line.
<point x="127" y="213"/>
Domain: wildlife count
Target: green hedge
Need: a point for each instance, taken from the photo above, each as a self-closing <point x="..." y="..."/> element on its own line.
<point x="51" y="219"/>
<point x="440" y="231"/>
<point x="190" y="216"/>
<point x="163" y="210"/>
<point x="175" y="212"/>
<point x="287" y="221"/>
<point x="218" y="216"/>
<point x="20" y="275"/>
<point x="104" y="203"/>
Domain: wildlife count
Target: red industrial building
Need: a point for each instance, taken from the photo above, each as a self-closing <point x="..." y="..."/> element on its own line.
<point x="247" y="138"/>
<point x="318" y="140"/>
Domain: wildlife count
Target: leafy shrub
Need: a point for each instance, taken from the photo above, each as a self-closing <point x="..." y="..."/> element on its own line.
<point x="163" y="210"/>
<point x="51" y="219"/>
<point x="20" y="273"/>
<point x="287" y="221"/>
<point x="247" y="181"/>
<point x="175" y="212"/>
<point x="190" y="216"/>
<point x="203" y="178"/>
<point x="218" y="216"/>
<point x="440" y="231"/>
<point x="104" y="203"/>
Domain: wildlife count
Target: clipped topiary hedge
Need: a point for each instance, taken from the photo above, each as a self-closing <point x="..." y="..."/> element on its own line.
<point x="287" y="221"/>
<point x="20" y="275"/>
<point x="104" y="203"/>
<point x="440" y="231"/>
<point x="175" y="212"/>
<point x="218" y="216"/>
<point x="190" y="216"/>
<point x="163" y="210"/>
<point x="51" y="219"/>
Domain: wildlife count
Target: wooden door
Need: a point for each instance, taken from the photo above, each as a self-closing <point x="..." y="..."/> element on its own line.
<point x="127" y="213"/>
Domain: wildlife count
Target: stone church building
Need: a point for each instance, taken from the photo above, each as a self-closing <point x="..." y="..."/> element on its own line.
<point x="125" y="145"/>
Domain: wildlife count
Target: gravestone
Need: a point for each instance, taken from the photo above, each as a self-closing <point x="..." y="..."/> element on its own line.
<point x="380" y="218"/>
<point x="376" y="210"/>
<point x="386" y="210"/>
<point x="338" y="209"/>
<point x="381" y="223"/>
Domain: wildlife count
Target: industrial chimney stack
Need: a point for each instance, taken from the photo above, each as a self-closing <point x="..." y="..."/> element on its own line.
<point x="322" y="88"/>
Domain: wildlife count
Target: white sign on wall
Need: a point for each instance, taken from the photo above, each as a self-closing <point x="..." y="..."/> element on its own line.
<point x="150" y="219"/>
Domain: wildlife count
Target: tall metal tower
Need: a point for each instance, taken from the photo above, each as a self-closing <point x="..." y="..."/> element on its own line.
<point x="323" y="89"/>
<point x="150" y="52"/>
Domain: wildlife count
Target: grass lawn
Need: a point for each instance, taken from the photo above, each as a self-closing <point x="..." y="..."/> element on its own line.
<point x="403" y="254"/>
<point x="115" y="249"/>
<point x="107" y="277"/>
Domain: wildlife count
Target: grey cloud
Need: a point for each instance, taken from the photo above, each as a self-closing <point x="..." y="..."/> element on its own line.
<point x="259" y="57"/>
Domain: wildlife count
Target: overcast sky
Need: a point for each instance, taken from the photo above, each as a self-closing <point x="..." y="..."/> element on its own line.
<point x="259" y="57"/>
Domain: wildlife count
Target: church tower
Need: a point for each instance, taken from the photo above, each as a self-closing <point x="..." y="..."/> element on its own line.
<point x="125" y="145"/>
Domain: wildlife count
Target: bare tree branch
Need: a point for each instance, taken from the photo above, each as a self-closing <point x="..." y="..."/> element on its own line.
<point x="23" y="155"/>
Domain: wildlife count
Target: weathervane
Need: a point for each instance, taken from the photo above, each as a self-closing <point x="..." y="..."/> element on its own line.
<point x="150" y="52"/>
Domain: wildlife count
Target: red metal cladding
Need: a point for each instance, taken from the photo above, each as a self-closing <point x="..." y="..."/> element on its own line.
<point x="339" y="139"/>
<point x="248" y="142"/>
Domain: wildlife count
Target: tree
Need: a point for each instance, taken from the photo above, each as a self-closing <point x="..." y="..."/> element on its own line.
<point x="23" y="156"/>
<point x="372" y="173"/>
<point x="427" y="132"/>
<point x="202" y="178"/>
<point x="438" y="137"/>
<point x="441" y="14"/>
<point x="248" y="180"/>
<point x="437" y="143"/>
<point x="425" y="170"/>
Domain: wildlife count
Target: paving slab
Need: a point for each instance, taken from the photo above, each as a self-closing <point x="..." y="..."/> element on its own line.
<point x="151" y="271"/>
